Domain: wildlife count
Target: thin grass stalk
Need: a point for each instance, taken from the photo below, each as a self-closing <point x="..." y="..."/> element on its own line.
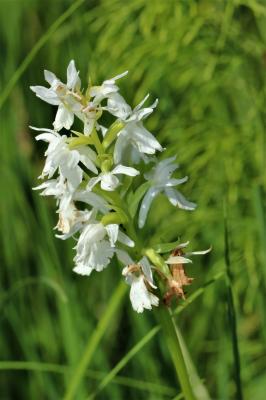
<point x="93" y="342"/>
<point x="41" y="42"/>
<point x="92" y="374"/>
<point x="232" y="315"/>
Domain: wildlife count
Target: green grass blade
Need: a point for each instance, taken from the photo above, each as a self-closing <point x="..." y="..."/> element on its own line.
<point x="180" y="396"/>
<point x="232" y="315"/>
<point x="199" y="388"/>
<point x="29" y="281"/>
<point x="174" y="346"/>
<point x="95" y="375"/>
<point x="108" y="378"/>
<point x="28" y="59"/>
<point x="94" y="340"/>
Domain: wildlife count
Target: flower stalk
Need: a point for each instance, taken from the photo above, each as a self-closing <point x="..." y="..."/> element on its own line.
<point x="168" y="326"/>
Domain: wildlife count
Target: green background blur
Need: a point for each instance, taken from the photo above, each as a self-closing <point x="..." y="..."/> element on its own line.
<point x="206" y="62"/>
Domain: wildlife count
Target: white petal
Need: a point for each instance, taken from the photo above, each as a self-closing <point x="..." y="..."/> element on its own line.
<point x="51" y="188"/>
<point x="177" y="199"/>
<point x="112" y="80"/>
<point x="73" y="80"/>
<point x="175" y="182"/>
<point x="117" y="106"/>
<point x="47" y="137"/>
<point x="145" y="205"/>
<point x="95" y="253"/>
<point x="140" y="297"/>
<point x="182" y="245"/>
<point x="102" y="129"/>
<point x="124" y="257"/>
<point x="87" y="156"/>
<point x="42" y="129"/>
<point x="50" y="77"/>
<point x="194" y="253"/>
<point x="138" y="107"/>
<point x="178" y="260"/>
<point x="162" y="172"/>
<point x="143" y="139"/>
<point x="122" y="142"/>
<point x="72" y="173"/>
<point x="124" y="239"/>
<point x="121" y="169"/>
<point x="64" y="118"/>
<point x="146" y="268"/>
<point x="112" y="231"/>
<point x="88" y="164"/>
<point x="88" y="126"/>
<point x="109" y="182"/>
<point x="47" y="95"/>
<point x="93" y="182"/>
<point x="92" y="199"/>
<point x="140" y="114"/>
<point x="82" y="269"/>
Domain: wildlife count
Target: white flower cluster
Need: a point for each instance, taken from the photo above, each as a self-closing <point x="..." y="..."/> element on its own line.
<point x="87" y="175"/>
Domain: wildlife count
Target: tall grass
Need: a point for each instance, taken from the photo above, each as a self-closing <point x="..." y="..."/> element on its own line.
<point x="206" y="63"/>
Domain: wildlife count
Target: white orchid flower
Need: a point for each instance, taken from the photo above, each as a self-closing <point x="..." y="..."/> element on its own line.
<point x="135" y="134"/>
<point x="92" y="111"/>
<point x="59" y="189"/>
<point x="65" y="96"/>
<point x="59" y="156"/>
<point x="106" y="89"/>
<point x="72" y="220"/>
<point x="139" y="277"/>
<point x="161" y="181"/>
<point x="53" y="187"/>
<point x="96" y="247"/>
<point x="108" y="180"/>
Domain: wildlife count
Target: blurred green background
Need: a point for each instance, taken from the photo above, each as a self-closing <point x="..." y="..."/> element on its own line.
<point x="206" y="62"/>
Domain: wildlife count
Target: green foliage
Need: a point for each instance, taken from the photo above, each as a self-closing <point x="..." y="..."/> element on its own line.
<point x="205" y="61"/>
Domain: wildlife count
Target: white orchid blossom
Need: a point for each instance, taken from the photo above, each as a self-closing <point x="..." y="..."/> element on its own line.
<point x="135" y="135"/>
<point x="161" y="181"/>
<point x="59" y="156"/>
<point x="96" y="247"/>
<point x="65" y="96"/>
<point x="93" y="109"/>
<point x="108" y="180"/>
<point x="139" y="277"/>
<point x="71" y="220"/>
<point x="106" y="89"/>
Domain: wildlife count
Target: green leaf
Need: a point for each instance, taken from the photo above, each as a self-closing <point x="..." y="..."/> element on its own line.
<point x="135" y="199"/>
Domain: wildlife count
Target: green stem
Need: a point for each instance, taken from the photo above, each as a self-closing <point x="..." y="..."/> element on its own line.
<point x="112" y="132"/>
<point x="112" y="218"/>
<point x="168" y="326"/>
<point x="174" y="346"/>
<point x="157" y="260"/>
